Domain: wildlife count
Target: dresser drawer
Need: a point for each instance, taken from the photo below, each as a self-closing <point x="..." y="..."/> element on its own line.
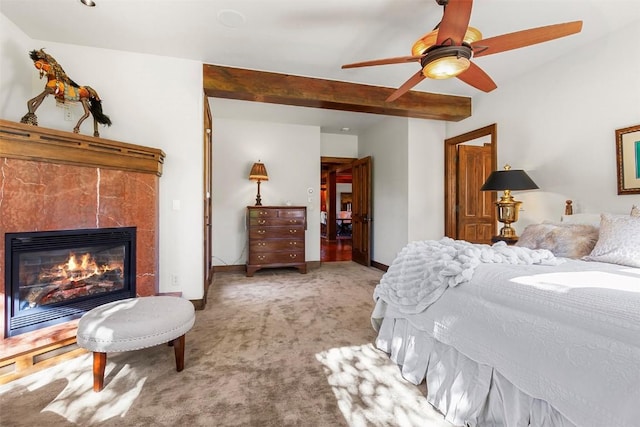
<point x="275" y="232"/>
<point x="276" y="245"/>
<point x="291" y="213"/>
<point x="276" y="221"/>
<point x="262" y="213"/>
<point x="280" y="258"/>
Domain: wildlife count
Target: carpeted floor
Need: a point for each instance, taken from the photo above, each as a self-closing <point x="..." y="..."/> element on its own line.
<point x="276" y="349"/>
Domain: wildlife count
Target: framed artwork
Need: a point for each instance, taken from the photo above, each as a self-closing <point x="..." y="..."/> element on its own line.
<point x="628" y="159"/>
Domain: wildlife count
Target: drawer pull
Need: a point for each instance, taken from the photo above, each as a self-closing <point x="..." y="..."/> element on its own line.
<point x="293" y="221"/>
<point x="293" y="243"/>
<point x="293" y="255"/>
<point x="261" y="231"/>
<point x="262" y="257"/>
<point x="292" y="231"/>
<point x="263" y="213"/>
<point x="262" y="244"/>
<point x="262" y="221"/>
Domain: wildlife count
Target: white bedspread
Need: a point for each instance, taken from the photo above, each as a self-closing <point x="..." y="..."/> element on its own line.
<point x="566" y="334"/>
<point x="424" y="269"/>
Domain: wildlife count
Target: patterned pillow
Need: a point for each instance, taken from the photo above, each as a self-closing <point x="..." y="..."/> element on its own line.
<point x="563" y="240"/>
<point x="534" y="234"/>
<point x="635" y="210"/>
<point x="619" y="241"/>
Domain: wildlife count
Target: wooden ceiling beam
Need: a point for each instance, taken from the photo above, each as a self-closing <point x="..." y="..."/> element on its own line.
<point x="261" y="86"/>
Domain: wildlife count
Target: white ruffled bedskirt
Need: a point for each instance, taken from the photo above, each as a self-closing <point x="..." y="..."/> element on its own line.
<point x="466" y="392"/>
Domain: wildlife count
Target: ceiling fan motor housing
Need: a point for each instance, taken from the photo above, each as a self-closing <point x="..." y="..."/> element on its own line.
<point x="443" y="62"/>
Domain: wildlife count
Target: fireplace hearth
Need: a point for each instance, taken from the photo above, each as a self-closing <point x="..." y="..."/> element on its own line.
<point x="56" y="276"/>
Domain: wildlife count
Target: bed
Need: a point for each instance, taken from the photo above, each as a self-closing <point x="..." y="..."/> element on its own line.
<point x="543" y="333"/>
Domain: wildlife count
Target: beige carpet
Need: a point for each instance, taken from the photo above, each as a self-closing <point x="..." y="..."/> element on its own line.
<point x="277" y="349"/>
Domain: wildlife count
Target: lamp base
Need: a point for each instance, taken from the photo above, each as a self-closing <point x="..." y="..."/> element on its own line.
<point x="507" y="235"/>
<point x="258" y="198"/>
<point x="508" y="232"/>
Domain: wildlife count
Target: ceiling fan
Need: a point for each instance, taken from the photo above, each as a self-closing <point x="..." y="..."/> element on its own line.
<point x="446" y="51"/>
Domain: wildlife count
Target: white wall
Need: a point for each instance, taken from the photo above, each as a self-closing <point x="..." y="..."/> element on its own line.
<point x="153" y="101"/>
<point x="558" y="123"/>
<point x="338" y="145"/>
<point x="291" y="154"/>
<point x="426" y="180"/>
<point x="386" y="143"/>
<point x="16" y="71"/>
<point x="408" y="183"/>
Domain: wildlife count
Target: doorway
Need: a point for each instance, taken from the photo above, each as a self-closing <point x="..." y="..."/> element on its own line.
<point x="347" y="220"/>
<point x="336" y="207"/>
<point x="469" y="159"/>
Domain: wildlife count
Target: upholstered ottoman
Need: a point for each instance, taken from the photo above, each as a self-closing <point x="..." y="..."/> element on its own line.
<point x="133" y="324"/>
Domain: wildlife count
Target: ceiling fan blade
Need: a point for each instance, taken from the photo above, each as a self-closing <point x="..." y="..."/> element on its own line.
<point x="413" y="80"/>
<point x="454" y="22"/>
<point x="524" y="38"/>
<point x="385" y="61"/>
<point x="477" y="78"/>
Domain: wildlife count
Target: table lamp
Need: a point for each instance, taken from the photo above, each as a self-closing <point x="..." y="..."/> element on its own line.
<point x="508" y="180"/>
<point x="258" y="173"/>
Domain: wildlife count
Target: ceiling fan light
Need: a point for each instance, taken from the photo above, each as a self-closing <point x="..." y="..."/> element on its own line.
<point x="472" y="35"/>
<point x="445" y="68"/>
<point x="424" y="43"/>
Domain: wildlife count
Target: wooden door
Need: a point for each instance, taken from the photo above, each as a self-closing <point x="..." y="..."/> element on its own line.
<point x="451" y="202"/>
<point x="475" y="208"/>
<point x="361" y="213"/>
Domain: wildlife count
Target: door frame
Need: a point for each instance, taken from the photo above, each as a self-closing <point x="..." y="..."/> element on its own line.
<point x="451" y="174"/>
<point x="330" y="167"/>
<point x="207" y="176"/>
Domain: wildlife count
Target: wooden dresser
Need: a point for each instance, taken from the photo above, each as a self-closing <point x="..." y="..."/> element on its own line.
<point x="276" y="237"/>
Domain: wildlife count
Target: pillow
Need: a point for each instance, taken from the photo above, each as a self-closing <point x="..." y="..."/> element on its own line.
<point x="533" y="235"/>
<point x="563" y="240"/>
<point x="582" y="218"/>
<point x="635" y="210"/>
<point x="619" y="241"/>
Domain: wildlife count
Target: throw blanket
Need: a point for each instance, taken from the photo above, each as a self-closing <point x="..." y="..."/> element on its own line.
<point x="423" y="270"/>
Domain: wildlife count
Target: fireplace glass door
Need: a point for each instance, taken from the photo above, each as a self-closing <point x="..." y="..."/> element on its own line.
<point x="57" y="276"/>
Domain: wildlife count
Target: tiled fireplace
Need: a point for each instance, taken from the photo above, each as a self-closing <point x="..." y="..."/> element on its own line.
<point x="55" y="183"/>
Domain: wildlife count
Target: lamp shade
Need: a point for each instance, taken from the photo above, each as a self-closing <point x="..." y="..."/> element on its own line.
<point x="258" y="172"/>
<point x="510" y="179"/>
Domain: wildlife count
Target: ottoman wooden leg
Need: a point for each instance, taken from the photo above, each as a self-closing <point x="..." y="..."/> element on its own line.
<point x="178" y="348"/>
<point x="99" y="363"/>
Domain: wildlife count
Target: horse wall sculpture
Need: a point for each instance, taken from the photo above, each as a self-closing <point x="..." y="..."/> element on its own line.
<point x="64" y="90"/>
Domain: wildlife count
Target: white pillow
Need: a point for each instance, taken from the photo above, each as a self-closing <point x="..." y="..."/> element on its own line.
<point x="587" y="218"/>
<point x="619" y="241"/>
<point x="582" y="218"/>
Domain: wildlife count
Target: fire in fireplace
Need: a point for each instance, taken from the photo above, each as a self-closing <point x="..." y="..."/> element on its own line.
<point x="56" y="276"/>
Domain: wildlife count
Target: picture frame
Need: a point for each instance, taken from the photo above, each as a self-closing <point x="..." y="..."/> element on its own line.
<point x="628" y="160"/>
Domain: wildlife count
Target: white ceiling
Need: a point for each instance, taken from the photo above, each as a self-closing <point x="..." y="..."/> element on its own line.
<point x="312" y="38"/>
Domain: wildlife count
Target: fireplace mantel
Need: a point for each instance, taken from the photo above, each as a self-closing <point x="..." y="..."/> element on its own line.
<point x="28" y="142"/>
<point x="55" y="180"/>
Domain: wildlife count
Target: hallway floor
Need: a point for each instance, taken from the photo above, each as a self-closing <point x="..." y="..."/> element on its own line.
<point x="336" y="250"/>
